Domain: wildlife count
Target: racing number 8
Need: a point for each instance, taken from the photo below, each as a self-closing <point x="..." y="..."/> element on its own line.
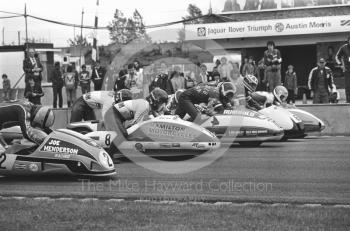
<point x="2" y="160"/>
<point x="108" y="139"/>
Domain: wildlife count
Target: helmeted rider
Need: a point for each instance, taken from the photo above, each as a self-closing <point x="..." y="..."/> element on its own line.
<point x="134" y="111"/>
<point x="227" y="91"/>
<point x="34" y="120"/>
<point x="196" y="95"/>
<point x="173" y="101"/>
<point x="250" y="83"/>
<point x="280" y="94"/>
<point x="83" y="108"/>
<point x="122" y="95"/>
<point x="215" y="99"/>
<point x="265" y="99"/>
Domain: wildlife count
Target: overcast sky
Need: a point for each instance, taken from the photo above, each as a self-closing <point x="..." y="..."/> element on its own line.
<point x="153" y="11"/>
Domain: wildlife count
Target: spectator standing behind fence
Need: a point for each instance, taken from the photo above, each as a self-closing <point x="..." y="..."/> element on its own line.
<point x="190" y="80"/>
<point x="120" y="80"/>
<point x="249" y="67"/>
<point x="204" y="74"/>
<point x="71" y="81"/>
<point x="320" y="80"/>
<point x="177" y="82"/>
<point x="134" y="82"/>
<point x="32" y="67"/>
<point x="33" y="92"/>
<point x="251" y="5"/>
<point x="6" y="86"/>
<point x="245" y="61"/>
<point x="231" y="5"/>
<point x="343" y="58"/>
<point x="98" y="74"/>
<point x="260" y="75"/>
<point x="290" y="82"/>
<point x="140" y="76"/>
<point x="225" y="69"/>
<point x="57" y="85"/>
<point x="84" y="80"/>
<point x="138" y="69"/>
<point x="235" y="73"/>
<point x="273" y="60"/>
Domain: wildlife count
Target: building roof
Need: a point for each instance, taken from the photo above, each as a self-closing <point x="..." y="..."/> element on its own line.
<point x="39" y="46"/>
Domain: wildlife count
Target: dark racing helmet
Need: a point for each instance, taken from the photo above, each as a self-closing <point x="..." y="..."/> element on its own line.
<point x="280" y="93"/>
<point x="43" y="117"/>
<point x="157" y="98"/>
<point x="250" y="83"/>
<point x="122" y="95"/>
<point x="227" y="91"/>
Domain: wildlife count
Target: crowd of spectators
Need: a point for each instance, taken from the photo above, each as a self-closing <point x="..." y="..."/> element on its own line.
<point x="267" y="69"/>
<point x="171" y="77"/>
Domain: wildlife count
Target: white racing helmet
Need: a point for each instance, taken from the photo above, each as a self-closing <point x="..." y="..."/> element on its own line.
<point x="280" y="93"/>
<point x="122" y="95"/>
<point x="43" y="117"/>
<point x="250" y="82"/>
<point x="177" y="95"/>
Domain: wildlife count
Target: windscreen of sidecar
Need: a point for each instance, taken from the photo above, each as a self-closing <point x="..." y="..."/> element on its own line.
<point x="87" y="140"/>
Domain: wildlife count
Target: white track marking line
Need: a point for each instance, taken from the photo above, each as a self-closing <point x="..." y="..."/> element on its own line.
<point x="310" y="205"/>
<point x="279" y="204"/>
<point x="18" y="198"/>
<point x="115" y="200"/>
<point x="342" y="206"/>
<point x="43" y="199"/>
<point x="218" y="203"/>
<point x="88" y="199"/>
<point x="64" y="199"/>
<point x="165" y="202"/>
<point x="142" y="201"/>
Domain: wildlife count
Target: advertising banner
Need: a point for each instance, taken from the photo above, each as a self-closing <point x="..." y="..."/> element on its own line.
<point x="264" y="28"/>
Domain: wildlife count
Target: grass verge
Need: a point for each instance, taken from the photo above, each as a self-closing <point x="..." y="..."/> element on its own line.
<point x="30" y="214"/>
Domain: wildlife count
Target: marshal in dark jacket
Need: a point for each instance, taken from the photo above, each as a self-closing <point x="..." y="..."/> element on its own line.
<point x="327" y="75"/>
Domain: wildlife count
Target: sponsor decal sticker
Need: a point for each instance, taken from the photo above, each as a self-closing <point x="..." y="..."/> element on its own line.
<point x="139" y="147"/>
<point x="198" y="145"/>
<point x="279" y="27"/>
<point x="33" y="167"/>
<point x="48" y="148"/>
<point x="169" y="130"/>
<point x="165" y="145"/>
<point x="243" y="113"/>
<point x="201" y="31"/>
<point x="20" y="166"/>
<point x="235" y="133"/>
<point x="63" y="149"/>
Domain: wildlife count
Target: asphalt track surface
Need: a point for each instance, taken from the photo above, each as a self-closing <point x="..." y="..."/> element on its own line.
<point x="312" y="170"/>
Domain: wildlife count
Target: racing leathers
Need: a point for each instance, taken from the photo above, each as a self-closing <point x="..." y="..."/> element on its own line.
<point x="130" y="111"/>
<point x="196" y="95"/>
<point x="21" y="114"/>
<point x="259" y="100"/>
<point x="83" y="107"/>
<point x="171" y="105"/>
